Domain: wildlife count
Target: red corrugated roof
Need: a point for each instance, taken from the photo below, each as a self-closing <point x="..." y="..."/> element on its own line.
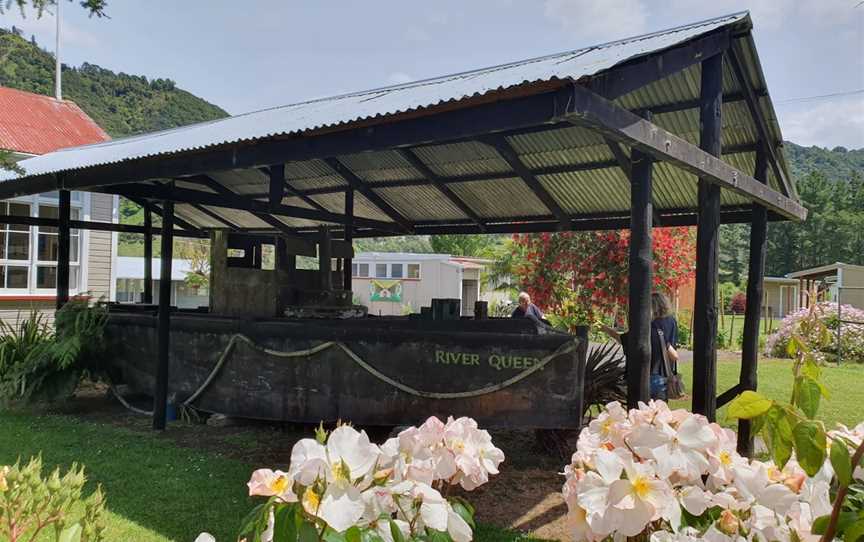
<point x="35" y="124"/>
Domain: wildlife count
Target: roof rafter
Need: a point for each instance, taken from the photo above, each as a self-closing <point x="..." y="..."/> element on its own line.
<point x="359" y="185"/>
<point x="442" y="187"/>
<point x="216" y="217"/>
<point x="625" y="127"/>
<point x="759" y="120"/>
<point x="158" y="210"/>
<point x="509" y="154"/>
<point x="268" y="172"/>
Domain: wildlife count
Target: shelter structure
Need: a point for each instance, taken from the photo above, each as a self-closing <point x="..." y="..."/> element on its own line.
<point x="670" y="128"/>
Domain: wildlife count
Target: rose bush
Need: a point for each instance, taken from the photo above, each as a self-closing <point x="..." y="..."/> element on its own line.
<point x="340" y="486"/>
<point x="851" y="334"/>
<point x="672" y="475"/>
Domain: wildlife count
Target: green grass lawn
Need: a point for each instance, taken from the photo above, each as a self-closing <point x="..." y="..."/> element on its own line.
<point x="156" y="491"/>
<point x="775" y="381"/>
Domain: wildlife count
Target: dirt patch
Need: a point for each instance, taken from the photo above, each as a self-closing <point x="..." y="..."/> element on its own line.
<point x="525" y="496"/>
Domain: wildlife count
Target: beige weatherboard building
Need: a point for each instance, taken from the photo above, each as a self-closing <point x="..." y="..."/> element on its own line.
<point x="837" y="282"/>
<point x="397" y="283"/>
<point x="32" y="124"/>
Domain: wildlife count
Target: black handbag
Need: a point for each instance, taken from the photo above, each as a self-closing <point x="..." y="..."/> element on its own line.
<point x="674" y="382"/>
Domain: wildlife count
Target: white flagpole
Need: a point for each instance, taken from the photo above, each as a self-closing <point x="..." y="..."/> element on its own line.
<point x="58" y="93"/>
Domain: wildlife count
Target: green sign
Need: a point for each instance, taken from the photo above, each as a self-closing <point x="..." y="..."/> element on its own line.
<point x="385" y="290"/>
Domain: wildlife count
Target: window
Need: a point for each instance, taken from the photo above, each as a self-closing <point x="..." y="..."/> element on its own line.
<point x="398" y="270"/>
<point x="14" y="248"/>
<point x="48" y="249"/>
<point x="268" y="257"/>
<point x="28" y="254"/>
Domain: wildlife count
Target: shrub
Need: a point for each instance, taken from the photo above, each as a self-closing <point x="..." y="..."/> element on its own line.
<point x="738" y="303"/>
<point x="34" y="504"/>
<point x="851" y="335"/>
<point x="38" y="362"/>
<point x="339" y="486"/>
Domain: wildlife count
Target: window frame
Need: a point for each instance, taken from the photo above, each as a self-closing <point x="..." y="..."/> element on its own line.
<point x="80" y="203"/>
<point x="372" y="265"/>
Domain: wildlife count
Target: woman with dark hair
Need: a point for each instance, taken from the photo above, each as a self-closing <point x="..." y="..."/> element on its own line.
<point x="664" y="328"/>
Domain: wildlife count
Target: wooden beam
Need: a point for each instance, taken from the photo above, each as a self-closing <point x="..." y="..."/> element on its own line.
<point x="348" y="237"/>
<point x="640" y="283"/>
<point x="634" y="74"/>
<point x="360" y="185"/>
<point x="160" y="393"/>
<point x="63" y="245"/>
<point x="148" y="255"/>
<point x="291" y="190"/>
<point x="277" y="183"/>
<point x="445" y="190"/>
<point x="218" y="218"/>
<point x="707" y="243"/>
<point x="753" y="308"/>
<point x="625" y="127"/>
<point x="624" y="163"/>
<point x="759" y="120"/>
<point x="177" y="220"/>
<point x="259" y="208"/>
<point x="509" y="154"/>
<point x="263" y="215"/>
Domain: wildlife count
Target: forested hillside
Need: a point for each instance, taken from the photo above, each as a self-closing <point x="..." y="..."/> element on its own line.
<point x="122" y="104"/>
<point x="831" y="186"/>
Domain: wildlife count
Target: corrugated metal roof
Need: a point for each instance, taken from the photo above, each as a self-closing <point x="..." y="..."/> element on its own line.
<point x="35" y="124"/>
<point x="339" y="110"/>
<point x="474" y="171"/>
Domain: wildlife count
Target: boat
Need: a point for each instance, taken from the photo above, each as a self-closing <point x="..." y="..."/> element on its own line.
<point x="328" y="362"/>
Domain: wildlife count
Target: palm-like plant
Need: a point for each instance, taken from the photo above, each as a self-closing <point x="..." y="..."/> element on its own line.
<point x="605" y="377"/>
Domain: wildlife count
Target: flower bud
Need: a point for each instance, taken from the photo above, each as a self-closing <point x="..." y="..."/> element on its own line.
<point x="728" y="523"/>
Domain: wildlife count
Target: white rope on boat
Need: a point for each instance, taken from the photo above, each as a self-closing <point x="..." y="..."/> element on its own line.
<point x="565" y="348"/>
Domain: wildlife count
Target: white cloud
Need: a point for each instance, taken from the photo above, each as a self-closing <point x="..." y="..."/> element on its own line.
<point x="766" y="14"/>
<point x="592" y="22"/>
<point x="399" y="78"/>
<point x="829" y="124"/>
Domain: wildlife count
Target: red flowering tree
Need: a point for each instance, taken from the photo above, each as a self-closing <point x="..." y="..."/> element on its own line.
<point x="738" y="303"/>
<point x="582" y="276"/>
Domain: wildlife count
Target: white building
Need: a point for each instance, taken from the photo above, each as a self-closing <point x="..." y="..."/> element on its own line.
<point x="398" y="283"/>
<point x="130" y="283"/>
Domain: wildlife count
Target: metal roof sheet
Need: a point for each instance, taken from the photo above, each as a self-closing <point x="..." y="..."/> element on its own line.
<point x="35" y="124"/>
<point x="339" y="110"/>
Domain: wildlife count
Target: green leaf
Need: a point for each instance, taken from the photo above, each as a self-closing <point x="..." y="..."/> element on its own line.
<point x="792" y="346"/>
<point x="331" y="535"/>
<point x="811" y="369"/>
<point x="841" y="462"/>
<point x="749" y="405"/>
<point x="396" y="532"/>
<point x="778" y="435"/>
<point x="854" y="532"/>
<point x="353" y="534"/>
<point x="464" y="513"/>
<point x="808" y="395"/>
<point x="71" y="533"/>
<point x="308" y="532"/>
<point x="285" y="523"/>
<point x="843" y="521"/>
<point x="370" y="535"/>
<point x="251" y="519"/>
<point x="810" y="446"/>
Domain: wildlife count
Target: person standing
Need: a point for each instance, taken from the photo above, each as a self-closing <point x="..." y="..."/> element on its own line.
<point x="662" y="321"/>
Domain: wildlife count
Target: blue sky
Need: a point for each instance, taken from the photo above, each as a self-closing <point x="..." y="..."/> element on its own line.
<point x="253" y="54"/>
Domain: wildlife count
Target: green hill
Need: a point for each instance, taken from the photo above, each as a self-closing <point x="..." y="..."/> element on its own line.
<point x="122" y="104"/>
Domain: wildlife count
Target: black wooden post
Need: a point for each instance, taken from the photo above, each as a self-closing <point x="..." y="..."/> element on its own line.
<point x="640" y="281"/>
<point x="349" y="238"/>
<point x="324" y="260"/>
<point x="160" y="395"/>
<point x="63" y="238"/>
<point x="708" y="220"/>
<point x="148" y="255"/>
<point x="755" y="279"/>
<point x="582" y="361"/>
